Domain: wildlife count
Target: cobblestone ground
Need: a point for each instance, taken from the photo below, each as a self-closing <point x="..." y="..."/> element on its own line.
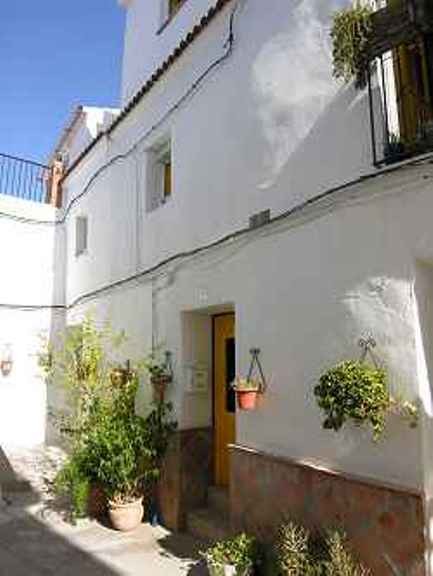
<point x="37" y="540"/>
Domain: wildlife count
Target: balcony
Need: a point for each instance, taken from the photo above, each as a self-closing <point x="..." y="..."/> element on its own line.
<point x="400" y="80"/>
<point x="24" y="179"/>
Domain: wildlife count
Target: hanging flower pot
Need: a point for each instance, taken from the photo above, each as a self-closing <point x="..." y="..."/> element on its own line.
<point x="6" y="367"/>
<point x="247" y="393"/>
<point x="118" y="376"/>
<point x="159" y="383"/>
<point x="161" y="375"/>
<point x="248" y="389"/>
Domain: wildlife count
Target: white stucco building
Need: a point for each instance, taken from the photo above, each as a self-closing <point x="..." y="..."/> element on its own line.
<point x="235" y="199"/>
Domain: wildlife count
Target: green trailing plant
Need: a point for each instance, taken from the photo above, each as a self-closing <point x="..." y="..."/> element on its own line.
<point x="355" y="391"/>
<point x="241" y="552"/>
<point x="351" y="34"/>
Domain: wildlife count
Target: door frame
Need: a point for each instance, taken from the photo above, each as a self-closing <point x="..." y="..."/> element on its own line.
<point x="214" y="317"/>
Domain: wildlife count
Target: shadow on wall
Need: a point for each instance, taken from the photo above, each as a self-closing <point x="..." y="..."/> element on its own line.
<point x="316" y="130"/>
<point x="345" y="119"/>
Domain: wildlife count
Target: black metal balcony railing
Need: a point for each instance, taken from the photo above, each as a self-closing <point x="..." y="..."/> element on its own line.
<point x="400" y="80"/>
<point x="23" y="178"/>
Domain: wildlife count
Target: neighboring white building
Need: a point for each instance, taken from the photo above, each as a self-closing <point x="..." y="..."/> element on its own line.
<point x="85" y="124"/>
<point x="231" y="118"/>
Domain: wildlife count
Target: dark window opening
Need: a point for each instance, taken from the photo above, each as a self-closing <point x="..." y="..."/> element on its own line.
<point x="230" y="375"/>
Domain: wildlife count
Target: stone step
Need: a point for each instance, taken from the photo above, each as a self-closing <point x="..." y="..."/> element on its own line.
<point x="218" y="500"/>
<point x="208" y="525"/>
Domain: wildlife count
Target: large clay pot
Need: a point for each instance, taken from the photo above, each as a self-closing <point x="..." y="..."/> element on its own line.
<point x="126" y="517"/>
<point x="247" y="399"/>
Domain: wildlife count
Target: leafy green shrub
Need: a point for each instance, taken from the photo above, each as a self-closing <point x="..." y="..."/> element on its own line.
<point x="111" y="446"/>
<point x="73" y="483"/>
<point x="119" y="457"/>
<point x="355" y="391"/>
<point x="240" y="552"/>
<point x="351" y="33"/>
<point x="297" y="552"/>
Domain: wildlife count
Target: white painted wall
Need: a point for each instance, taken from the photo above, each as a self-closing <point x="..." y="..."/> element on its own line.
<point x="145" y="47"/>
<point x="268" y="129"/>
<point x="304" y="293"/>
<point x="87" y="123"/>
<point x="31" y="261"/>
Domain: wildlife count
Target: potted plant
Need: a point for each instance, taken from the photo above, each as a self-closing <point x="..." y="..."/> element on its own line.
<point x="119" y="375"/>
<point x="247" y="392"/>
<point x="160" y="376"/>
<point x="115" y="455"/>
<point x="123" y="450"/>
<point x="233" y="557"/>
<point x="358" y="392"/>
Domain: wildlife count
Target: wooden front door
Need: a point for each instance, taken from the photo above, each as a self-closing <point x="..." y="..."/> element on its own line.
<point x="224" y="396"/>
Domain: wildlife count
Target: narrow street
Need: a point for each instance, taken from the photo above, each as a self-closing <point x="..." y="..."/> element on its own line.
<point x="36" y="539"/>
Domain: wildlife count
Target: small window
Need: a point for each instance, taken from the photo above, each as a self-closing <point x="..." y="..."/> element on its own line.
<point x="161" y="176"/>
<point x="80" y="235"/>
<point x="166" y="176"/>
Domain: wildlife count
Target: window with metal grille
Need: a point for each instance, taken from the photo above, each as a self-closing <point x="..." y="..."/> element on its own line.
<point x="401" y="80"/>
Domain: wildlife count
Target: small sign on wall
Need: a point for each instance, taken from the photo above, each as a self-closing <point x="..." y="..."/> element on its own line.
<point x="197" y="378"/>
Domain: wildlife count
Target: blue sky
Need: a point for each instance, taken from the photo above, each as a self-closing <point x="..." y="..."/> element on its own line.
<point x="53" y="56"/>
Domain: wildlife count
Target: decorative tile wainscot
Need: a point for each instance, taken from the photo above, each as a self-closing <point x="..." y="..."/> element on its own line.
<point x="385" y="524"/>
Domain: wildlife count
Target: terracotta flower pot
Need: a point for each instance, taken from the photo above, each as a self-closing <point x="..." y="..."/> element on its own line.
<point x="126" y="517"/>
<point x="247" y="399"/>
<point x="159" y="384"/>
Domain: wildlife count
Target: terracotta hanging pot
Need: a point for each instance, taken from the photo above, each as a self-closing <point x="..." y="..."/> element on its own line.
<point x="247" y="392"/>
<point x="159" y="384"/>
<point x="247" y="399"/>
<point x="6" y="367"/>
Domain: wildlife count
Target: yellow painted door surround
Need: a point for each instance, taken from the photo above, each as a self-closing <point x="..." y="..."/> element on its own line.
<point x="224" y="396"/>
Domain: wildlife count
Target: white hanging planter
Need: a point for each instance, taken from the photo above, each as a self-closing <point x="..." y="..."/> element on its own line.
<point x="227" y="570"/>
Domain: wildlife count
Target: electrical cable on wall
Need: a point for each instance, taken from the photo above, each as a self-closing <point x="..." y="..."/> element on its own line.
<point x="228" y="49"/>
<point x="299" y="210"/>
<point x="180" y="256"/>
